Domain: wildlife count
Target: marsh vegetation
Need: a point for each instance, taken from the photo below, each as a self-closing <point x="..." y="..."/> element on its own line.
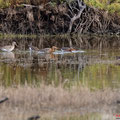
<point x="68" y="86"/>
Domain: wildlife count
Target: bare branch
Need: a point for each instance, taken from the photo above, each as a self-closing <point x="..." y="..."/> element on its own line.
<point x="76" y="16"/>
<point x="70" y="12"/>
<point x="67" y="16"/>
<point x="28" y="5"/>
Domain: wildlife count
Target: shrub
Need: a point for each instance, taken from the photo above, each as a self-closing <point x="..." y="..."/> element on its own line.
<point x="109" y="5"/>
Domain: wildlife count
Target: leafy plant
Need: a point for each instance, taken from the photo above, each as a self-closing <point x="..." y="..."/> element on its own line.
<point x="4" y="4"/>
<point x="109" y="5"/>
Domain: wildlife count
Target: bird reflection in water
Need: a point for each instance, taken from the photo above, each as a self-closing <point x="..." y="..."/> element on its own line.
<point x="39" y="68"/>
<point x="44" y="56"/>
<point x="8" y="55"/>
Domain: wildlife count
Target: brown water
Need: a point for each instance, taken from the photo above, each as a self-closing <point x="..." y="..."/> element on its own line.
<point x="97" y="68"/>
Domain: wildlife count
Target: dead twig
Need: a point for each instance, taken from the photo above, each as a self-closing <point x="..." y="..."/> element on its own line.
<point x="76" y="16"/>
<point x="3" y="100"/>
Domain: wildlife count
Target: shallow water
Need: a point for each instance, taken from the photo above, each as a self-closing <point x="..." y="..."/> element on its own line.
<point x="96" y="67"/>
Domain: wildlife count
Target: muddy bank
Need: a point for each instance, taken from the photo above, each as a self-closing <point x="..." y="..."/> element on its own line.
<point x="53" y="19"/>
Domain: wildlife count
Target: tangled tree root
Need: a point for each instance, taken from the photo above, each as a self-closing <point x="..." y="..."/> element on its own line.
<point x="68" y="17"/>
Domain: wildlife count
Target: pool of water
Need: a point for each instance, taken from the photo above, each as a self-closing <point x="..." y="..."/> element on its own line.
<point x="97" y="67"/>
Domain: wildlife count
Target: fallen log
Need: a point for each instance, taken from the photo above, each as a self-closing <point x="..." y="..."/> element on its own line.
<point x="3" y="100"/>
<point x="36" y="117"/>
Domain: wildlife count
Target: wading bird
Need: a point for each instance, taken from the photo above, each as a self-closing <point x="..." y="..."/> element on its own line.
<point x="8" y="48"/>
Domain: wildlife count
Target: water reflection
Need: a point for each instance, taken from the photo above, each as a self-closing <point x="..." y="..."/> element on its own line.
<point x="7" y="55"/>
<point x="87" y="69"/>
<point x="94" y="68"/>
<point x="97" y="68"/>
<point x="37" y="68"/>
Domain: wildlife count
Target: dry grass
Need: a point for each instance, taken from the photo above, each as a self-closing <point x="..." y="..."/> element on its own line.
<point x="49" y="101"/>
